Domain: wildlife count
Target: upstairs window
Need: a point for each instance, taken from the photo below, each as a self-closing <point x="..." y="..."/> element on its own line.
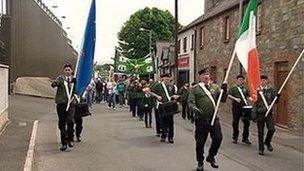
<point x="185" y="45"/>
<point x="226" y="29"/>
<point x="202" y="37"/>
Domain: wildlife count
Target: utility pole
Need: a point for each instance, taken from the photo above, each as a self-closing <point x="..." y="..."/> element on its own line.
<point x="240" y="23"/>
<point x="176" y="41"/>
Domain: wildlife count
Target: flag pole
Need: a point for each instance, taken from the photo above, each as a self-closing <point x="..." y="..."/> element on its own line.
<point x="284" y="83"/>
<point x="222" y="91"/>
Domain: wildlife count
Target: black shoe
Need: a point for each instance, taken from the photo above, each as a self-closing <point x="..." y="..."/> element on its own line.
<point x="234" y="141"/>
<point x="171" y="141"/>
<point x="269" y="147"/>
<point x="261" y="152"/>
<point x="246" y="141"/>
<point x="70" y="144"/>
<point x="78" y="138"/>
<point x="63" y="147"/>
<point x="212" y="162"/>
<point x="162" y="139"/>
<point x="200" y="167"/>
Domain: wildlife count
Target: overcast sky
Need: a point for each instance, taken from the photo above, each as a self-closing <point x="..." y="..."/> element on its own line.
<point x="110" y="16"/>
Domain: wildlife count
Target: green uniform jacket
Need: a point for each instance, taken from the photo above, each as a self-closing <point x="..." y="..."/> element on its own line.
<point x="233" y="91"/>
<point x="61" y="96"/>
<point x="184" y="94"/>
<point x="159" y="90"/>
<point x="259" y="108"/>
<point x="147" y="102"/>
<point x="199" y="99"/>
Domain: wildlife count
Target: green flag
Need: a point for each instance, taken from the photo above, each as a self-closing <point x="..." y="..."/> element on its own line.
<point x="139" y="66"/>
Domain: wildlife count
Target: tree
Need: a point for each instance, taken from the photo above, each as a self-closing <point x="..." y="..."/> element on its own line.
<point x="134" y="43"/>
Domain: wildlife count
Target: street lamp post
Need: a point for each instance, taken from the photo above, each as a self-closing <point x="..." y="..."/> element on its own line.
<point x="150" y="45"/>
<point x="150" y="39"/>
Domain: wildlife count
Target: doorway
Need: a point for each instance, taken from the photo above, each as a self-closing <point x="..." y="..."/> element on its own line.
<point x="281" y="72"/>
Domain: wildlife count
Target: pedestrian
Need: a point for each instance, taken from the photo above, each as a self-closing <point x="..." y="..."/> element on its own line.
<point x="65" y="104"/>
<point x="146" y="104"/>
<point x="184" y="93"/>
<point x="133" y="97"/>
<point x="89" y="93"/>
<point x="202" y="99"/>
<point x="111" y="94"/>
<point x="99" y="90"/>
<point x="266" y="95"/>
<point x="239" y="95"/>
<point x="166" y="91"/>
<point x="105" y="91"/>
<point x="121" y="89"/>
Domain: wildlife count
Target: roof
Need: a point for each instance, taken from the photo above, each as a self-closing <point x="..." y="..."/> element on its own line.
<point x="226" y="5"/>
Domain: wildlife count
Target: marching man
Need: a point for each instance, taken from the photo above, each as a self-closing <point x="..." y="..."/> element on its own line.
<point x="202" y="100"/>
<point x="266" y="95"/>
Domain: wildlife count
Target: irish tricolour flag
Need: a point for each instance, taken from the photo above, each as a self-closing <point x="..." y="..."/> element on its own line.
<point x="246" y="49"/>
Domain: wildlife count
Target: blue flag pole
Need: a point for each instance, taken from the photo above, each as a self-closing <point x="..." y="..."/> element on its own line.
<point x="84" y="66"/>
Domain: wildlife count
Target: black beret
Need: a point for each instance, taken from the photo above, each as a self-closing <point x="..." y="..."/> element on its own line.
<point x="240" y="76"/>
<point x="204" y="70"/>
<point x="165" y="75"/>
<point x="264" y="77"/>
<point x="67" y="65"/>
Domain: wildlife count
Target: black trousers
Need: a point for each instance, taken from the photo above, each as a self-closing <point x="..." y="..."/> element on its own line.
<point x="66" y="122"/>
<point x="134" y="106"/>
<point x="185" y="110"/>
<point x="148" y="116"/>
<point x="167" y="126"/>
<point x="237" y="115"/>
<point x="261" y="121"/>
<point x="157" y="121"/>
<point x="202" y="129"/>
<point x="78" y="123"/>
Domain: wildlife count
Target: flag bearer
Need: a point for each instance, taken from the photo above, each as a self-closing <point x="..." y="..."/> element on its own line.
<point x="64" y="97"/>
<point x="202" y="99"/>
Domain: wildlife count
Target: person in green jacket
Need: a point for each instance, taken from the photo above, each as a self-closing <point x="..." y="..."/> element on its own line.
<point x="64" y="96"/>
<point x="146" y="104"/>
<point x="266" y="95"/>
<point x="166" y="93"/>
<point x="239" y="95"/>
<point x="202" y="100"/>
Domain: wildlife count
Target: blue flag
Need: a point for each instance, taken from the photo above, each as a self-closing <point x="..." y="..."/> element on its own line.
<point x="86" y="57"/>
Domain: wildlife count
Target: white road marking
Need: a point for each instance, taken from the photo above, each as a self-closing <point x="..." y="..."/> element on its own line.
<point x="30" y="153"/>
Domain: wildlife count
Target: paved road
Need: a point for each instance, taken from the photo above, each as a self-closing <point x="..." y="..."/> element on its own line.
<point x="113" y="140"/>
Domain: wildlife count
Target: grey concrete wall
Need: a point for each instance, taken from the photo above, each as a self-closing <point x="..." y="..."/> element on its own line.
<point x="39" y="46"/>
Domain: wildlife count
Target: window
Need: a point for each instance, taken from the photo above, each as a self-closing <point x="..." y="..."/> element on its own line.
<point x="192" y="42"/>
<point x="213" y="74"/>
<point x="226" y="29"/>
<point x="259" y="19"/>
<point x="202" y="37"/>
<point x="178" y="46"/>
<point x="185" y="45"/>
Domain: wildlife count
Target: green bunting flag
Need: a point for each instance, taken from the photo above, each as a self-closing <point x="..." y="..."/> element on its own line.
<point x="139" y="66"/>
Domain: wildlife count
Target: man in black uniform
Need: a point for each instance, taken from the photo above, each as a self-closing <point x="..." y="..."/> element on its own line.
<point x="202" y="100"/>
<point x="239" y="95"/>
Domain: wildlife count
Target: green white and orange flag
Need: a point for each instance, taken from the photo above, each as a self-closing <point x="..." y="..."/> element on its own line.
<point x="246" y="49"/>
